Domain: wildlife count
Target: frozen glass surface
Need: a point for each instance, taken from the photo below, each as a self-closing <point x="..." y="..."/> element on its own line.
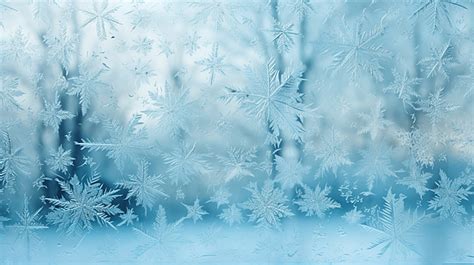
<point x="236" y="132"/>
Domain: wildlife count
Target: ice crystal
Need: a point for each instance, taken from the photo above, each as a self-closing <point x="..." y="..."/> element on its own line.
<point x="316" y="202"/>
<point x="268" y="205"/>
<point x="146" y="188"/>
<point x="82" y="205"/>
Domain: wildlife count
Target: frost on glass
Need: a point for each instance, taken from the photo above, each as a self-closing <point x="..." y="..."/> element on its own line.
<point x="236" y="132"/>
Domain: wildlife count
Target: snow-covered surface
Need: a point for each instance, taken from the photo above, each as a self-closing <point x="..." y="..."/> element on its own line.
<point x="305" y="242"/>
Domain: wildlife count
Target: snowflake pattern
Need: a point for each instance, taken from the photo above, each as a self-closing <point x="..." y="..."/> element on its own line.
<point x="227" y="131"/>
<point x="144" y="187"/>
<point x="81" y="205"/>
<point x="268" y="205"/>
<point x="316" y="202"/>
